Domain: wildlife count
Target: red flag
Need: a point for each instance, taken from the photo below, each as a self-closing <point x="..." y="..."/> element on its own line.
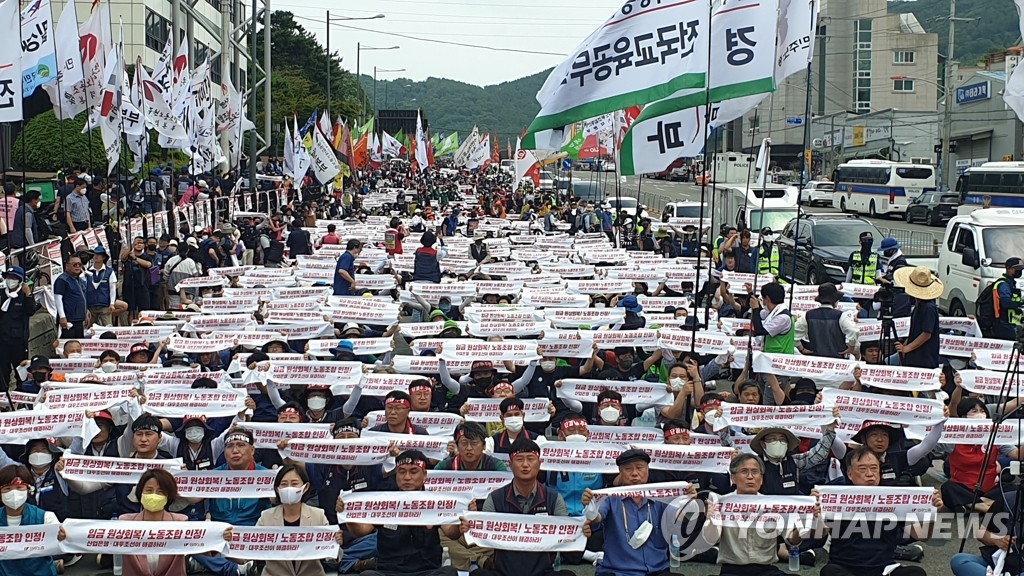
<point x="345" y="148"/>
<point x="430" y="150"/>
<point x="496" y="156"/>
<point x="361" y="153"/>
<point x="508" y="148"/>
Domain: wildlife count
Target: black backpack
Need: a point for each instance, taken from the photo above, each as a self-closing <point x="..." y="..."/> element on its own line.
<point x="985" y="308"/>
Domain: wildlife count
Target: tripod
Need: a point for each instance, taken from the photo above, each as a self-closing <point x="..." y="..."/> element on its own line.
<point x="888" y="338"/>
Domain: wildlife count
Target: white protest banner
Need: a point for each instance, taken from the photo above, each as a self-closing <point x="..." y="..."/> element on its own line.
<point x="525" y="533"/>
<point x="228" y="271"/>
<point x="493" y="351"/>
<point x="540" y="299"/>
<point x="564" y="348"/>
<point x="178" y="377"/>
<point x="20" y="542"/>
<point x="477" y="483"/>
<point x="208" y="343"/>
<point x="24" y="425"/>
<point x="976" y="432"/>
<point x="370" y="346"/>
<point x="135" y="333"/>
<point x="482" y="314"/>
<point x="575" y="317"/>
<point x="497" y="287"/>
<point x="225" y="483"/>
<point x="385" y="316"/>
<point x="625" y="434"/>
<point x="609" y="339"/>
<point x="436" y="423"/>
<point x="903" y="378"/>
<point x="683" y="341"/>
<point x="380" y="384"/>
<point x="313" y="372"/>
<point x="93" y="347"/>
<point x="992" y="359"/>
<point x="876" y="503"/>
<point x="758" y="416"/>
<point x="296" y="317"/>
<point x="124" y="375"/>
<point x="586" y="457"/>
<point x="964" y="347"/>
<point x="287" y="332"/>
<point x="203" y="282"/>
<point x="819" y="369"/>
<point x="664" y="491"/>
<point x="508" y="328"/>
<point x="345" y="452"/>
<point x="990" y="383"/>
<point x="180" y="401"/>
<point x="65" y="365"/>
<point x="230" y="305"/>
<point x="404" y="508"/>
<point x="268" y="434"/>
<point x="318" y="292"/>
<point x="635" y="392"/>
<point x="276" y="542"/>
<point x="432" y="292"/>
<point x="89" y="398"/>
<point x="966" y="324"/>
<point x="844" y="430"/>
<point x="143" y="537"/>
<point x="428" y="365"/>
<point x="487" y="410"/>
<point x="739" y="441"/>
<point x="219" y="322"/>
<point x="599" y="287"/>
<point x="764" y="511"/>
<point x="433" y="447"/>
<point x="864" y="406"/>
<point x="421" y="329"/>
<point x="113" y="470"/>
<point x="690" y="458"/>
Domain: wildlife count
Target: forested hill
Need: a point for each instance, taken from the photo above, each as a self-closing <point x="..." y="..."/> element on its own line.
<point x="996" y="26"/>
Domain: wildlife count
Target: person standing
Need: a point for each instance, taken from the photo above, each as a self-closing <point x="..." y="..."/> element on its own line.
<point x="345" y="271"/>
<point x="69" y="292"/>
<point x="16" y="308"/>
<point x="826" y="331"/>
<point x="426" y="264"/>
<point x="135" y="283"/>
<point x="25" y="231"/>
<point x="1007" y="301"/>
<point x="862" y="266"/>
<point x="76" y="208"/>
<point x="921" y="348"/>
<point x="774" y="322"/>
<point x="101" y="288"/>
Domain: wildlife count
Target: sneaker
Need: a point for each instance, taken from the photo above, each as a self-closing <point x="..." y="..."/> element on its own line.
<point x="69" y="562"/>
<point x="808" y="558"/>
<point x="910" y="553"/>
<point x="709" y="556"/>
<point x="59" y="566"/>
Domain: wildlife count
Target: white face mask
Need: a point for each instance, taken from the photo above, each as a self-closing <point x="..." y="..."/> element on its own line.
<point x="677" y="384"/>
<point x="600" y="305"/>
<point x="709" y="419"/>
<point x="548" y="365"/>
<point x="13" y="284"/>
<point x="575" y="438"/>
<point x="40" y="459"/>
<point x="776" y="449"/>
<point x="514" y="424"/>
<point x="290" y="494"/>
<point x="195" y="434"/>
<point x="316" y="402"/>
<point x="74" y="355"/>
<point x="978" y="416"/>
<point x="642" y="534"/>
<point x="108" y="366"/>
<point x="610" y="414"/>
<point x="15" y="499"/>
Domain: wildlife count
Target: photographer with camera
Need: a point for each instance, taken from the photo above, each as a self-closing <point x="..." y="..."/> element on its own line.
<point x="921" y="348"/>
<point x="891" y="303"/>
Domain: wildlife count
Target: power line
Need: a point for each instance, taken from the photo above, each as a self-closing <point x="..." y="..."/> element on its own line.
<point x="532" y="20"/>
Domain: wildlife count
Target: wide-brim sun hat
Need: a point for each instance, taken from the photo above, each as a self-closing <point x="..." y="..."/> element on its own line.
<point x="918" y="282"/>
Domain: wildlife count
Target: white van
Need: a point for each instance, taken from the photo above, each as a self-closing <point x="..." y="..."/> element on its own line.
<point x="973" y="252"/>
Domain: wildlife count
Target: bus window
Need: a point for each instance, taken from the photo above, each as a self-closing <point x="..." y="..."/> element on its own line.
<point x="914" y="173"/>
<point x="1010" y="182"/>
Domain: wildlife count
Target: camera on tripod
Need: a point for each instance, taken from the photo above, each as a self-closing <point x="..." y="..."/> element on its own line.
<point x="885" y="296"/>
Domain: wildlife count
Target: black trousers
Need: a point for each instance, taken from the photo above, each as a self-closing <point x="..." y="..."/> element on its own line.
<point x="750" y="570"/>
<point x="445" y="571"/>
<point x="12" y="353"/>
<point x="75" y="329"/>
<point x="956" y="495"/>
<point x="489" y="572"/>
<point x="835" y="570"/>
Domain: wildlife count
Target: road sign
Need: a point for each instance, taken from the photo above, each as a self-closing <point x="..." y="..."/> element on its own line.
<point x="566" y="164"/>
<point x="794" y="121"/>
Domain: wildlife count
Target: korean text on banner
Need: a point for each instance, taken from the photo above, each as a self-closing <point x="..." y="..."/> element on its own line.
<point x="113" y="470"/>
<point x="141" y="537"/>
<point x="755" y="416"/>
<point x="20" y="542"/>
<point x="863" y="406"/>
<point x="225" y="483"/>
<point x="525" y="533"/>
<point x="749" y="510"/>
<point x="587" y="457"/>
<point x="276" y="542"/>
<point x="876" y="503"/>
<point x="477" y="483"/>
<point x="404" y="508"/>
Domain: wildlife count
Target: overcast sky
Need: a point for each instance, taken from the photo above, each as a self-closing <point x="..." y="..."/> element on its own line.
<point x="537" y="25"/>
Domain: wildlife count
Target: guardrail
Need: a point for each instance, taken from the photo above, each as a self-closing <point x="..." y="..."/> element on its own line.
<point x="914" y="243"/>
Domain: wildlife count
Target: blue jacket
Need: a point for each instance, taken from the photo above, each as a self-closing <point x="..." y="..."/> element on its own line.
<point x="38" y="566"/>
<point x="237" y="511"/>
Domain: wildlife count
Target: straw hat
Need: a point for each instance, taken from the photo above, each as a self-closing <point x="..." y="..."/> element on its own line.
<point x="918" y="282"/>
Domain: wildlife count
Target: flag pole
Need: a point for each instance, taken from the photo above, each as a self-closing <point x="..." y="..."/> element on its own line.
<point x="805" y="168"/>
<point x="704" y="182"/>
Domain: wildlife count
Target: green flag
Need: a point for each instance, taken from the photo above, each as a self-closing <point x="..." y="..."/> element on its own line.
<point x="572" y="147"/>
<point x="401" y="137"/>
<point x="366" y="129"/>
<point x="447" y="146"/>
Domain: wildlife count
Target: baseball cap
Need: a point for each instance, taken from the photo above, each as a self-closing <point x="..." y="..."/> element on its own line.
<point x="1014" y="262"/>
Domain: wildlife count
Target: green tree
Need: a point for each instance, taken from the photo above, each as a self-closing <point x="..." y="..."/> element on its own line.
<point x="45" y="146"/>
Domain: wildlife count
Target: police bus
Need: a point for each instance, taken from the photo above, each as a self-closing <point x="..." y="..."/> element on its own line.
<point x="991" y="185"/>
<point x="880" y="187"/>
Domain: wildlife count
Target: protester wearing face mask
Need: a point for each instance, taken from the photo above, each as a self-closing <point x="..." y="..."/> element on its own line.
<point x="571" y="485"/>
<point x="108" y="362"/>
<point x="967" y="461"/>
<point x="1006" y="298"/>
<point x="862" y="267"/>
<point x="552" y="370"/>
<point x="512" y="418"/>
<point x="156" y="491"/>
<point x="16" y="308"/>
<point x="15" y="486"/>
<point x="891" y="260"/>
<point x="51" y="493"/>
<point x="293" y="490"/>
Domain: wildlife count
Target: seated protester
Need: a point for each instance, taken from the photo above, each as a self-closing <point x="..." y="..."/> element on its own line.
<point x="634" y="544"/>
<point x="423" y="395"/>
<point x="512" y="414"/>
<point x="625" y="368"/>
<point x="469" y="441"/>
<point x="293" y="490"/>
<point x="101" y="503"/>
<point x="553" y="369"/>
<point x="783" y="465"/>
<point x="572" y="484"/>
<point x="213" y="361"/>
<point x="687" y="387"/>
<point x="51" y="492"/>
<point x="743" y="551"/>
<point x="108" y="362"/>
<point x="633" y="321"/>
<point x="967" y="462"/>
<point x="40" y="371"/>
<point x="156" y="492"/>
<point x="290" y="413"/>
<point x="483" y="378"/>
<point x="141" y="354"/>
<point x="771" y="321"/>
<point x="15" y="485"/>
<point x="677" y="433"/>
<point x="239" y="454"/>
<point x="868" y="548"/>
<point x="397" y="405"/>
<point x="608" y="410"/>
<point x="265" y="410"/>
<point x="524" y="495"/>
<point x="142" y="443"/>
<point x="316" y="398"/>
<point x="704" y="420"/>
<point x="882" y="439"/>
<point x="995" y="535"/>
<point x="406" y="550"/>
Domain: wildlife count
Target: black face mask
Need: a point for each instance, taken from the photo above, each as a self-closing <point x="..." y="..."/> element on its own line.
<point x="40" y="376"/>
<point x="625" y="363"/>
<point x="1018" y="273"/>
<point x="808" y="398"/>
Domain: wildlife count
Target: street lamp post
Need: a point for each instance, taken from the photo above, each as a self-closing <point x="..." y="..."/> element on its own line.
<point x="359" y="49"/>
<point x="330" y="61"/>
<point x="382" y="70"/>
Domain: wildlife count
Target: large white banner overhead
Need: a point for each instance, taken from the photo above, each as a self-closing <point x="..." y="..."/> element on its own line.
<point x="743" y="37"/>
<point x="642" y="53"/>
<point x="10" y="64"/>
<point x="39" y="55"/>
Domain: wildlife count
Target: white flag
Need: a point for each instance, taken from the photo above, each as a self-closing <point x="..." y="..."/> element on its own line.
<point x="163" y="71"/>
<point x="66" y="104"/>
<point x="95" y="44"/>
<point x="154" y="107"/>
<point x="389" y="145"/>
<point x="302" y="160"/>
<point x="763" y="160"/>
<point x="110" y="109"/>
<point x="795" y="45"/>
<point x="10" y="64"/>
<point x="526" y="164"/>
<point x="421" y="144"/>
<point x="39" y="57"/>
<point x="482" y="153"/>
<point x="464" y="155"/>
<point x="325" y="162"/>
<point x="289" y="152"/>
<point x="374" y="149"/>
<point x="139" y="144"/>
<point x="180" y="102"/>
<point x="603" y="75"/>
<point x="1013" y="92"/>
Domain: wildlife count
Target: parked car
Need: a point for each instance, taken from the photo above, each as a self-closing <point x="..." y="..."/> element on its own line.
<point x="932" y="208"/>
<point x="627" y="204"/>
<point x="819" y="193"/>
<point x="821" y="245"/>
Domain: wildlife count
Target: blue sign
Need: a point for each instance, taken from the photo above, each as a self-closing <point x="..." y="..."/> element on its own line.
<point x="566" y="164"/>
<point x="794" y="121"/>
<point x="973" y="92"/>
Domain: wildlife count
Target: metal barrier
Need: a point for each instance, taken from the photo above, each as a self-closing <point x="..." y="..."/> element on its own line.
<point x="914" y="243"/>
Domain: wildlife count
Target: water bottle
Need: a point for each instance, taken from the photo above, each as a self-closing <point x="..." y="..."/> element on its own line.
<point x="558" y="562"/>
<point x="117" y="565"/>
<point x="446" y="559"/>
<point x="673" y="552"/>
<point x="794" y="558"/>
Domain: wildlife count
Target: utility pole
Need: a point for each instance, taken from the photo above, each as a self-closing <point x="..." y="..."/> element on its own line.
<point x="329" y="65"/>
<point x="950" y="97"/>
